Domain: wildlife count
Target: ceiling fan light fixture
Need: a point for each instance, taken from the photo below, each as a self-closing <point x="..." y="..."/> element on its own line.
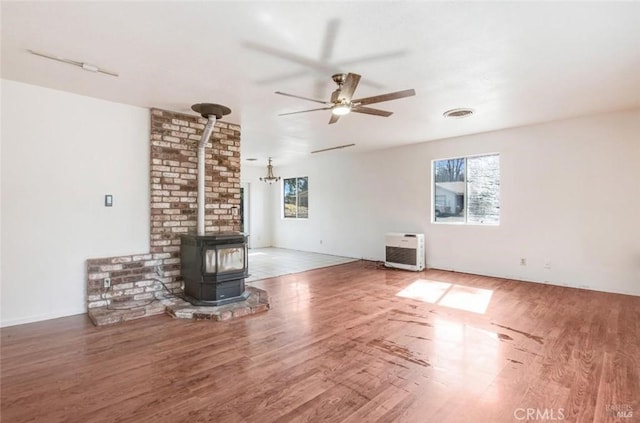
<point x="341" y="109"/>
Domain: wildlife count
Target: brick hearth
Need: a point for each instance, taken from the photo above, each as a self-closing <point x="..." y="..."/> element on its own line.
<point x="135" y="279"/>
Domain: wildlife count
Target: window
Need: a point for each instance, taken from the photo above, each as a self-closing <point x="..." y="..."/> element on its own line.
<point x="296" y="198"/>
<point x="467" y="190"/>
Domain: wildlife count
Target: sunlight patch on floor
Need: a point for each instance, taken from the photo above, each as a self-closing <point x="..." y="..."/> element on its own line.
<point x="475" y="300"/>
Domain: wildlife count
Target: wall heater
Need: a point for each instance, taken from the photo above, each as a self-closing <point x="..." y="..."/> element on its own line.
<point x="404" y="251"/>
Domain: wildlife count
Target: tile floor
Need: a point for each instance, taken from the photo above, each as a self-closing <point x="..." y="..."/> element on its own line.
<point x="271" y="262"/>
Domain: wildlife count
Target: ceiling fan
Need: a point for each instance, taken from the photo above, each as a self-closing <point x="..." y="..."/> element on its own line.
<point x="342" y="101"/>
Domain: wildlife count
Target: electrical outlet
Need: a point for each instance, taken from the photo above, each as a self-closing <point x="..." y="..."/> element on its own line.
<point x="107" y="283"/>
<point x="523" y="261"/>
<point x="547" y="264"/>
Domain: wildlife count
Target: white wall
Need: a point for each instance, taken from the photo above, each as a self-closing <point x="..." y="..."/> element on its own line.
<point x="61" y="153"/>
<point x="258" y="206"/>
<point x="1" y="86"/>
<point x="570" y="195"/>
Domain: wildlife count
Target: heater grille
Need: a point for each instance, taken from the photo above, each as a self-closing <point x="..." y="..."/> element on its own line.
<point x="405" y="251"/>
<point x="401" y="255"/>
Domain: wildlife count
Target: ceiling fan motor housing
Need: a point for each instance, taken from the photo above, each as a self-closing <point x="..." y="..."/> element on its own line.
<point x="339" y="78"/>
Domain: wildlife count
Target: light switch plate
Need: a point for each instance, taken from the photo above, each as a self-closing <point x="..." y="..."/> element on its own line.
<point x="108" y="200"/>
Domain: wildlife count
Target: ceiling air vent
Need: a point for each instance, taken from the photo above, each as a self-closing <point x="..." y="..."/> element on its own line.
<point x="458" y="113"/>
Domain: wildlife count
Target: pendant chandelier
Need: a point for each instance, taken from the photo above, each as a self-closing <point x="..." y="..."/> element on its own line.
<point x="270" y="178"/>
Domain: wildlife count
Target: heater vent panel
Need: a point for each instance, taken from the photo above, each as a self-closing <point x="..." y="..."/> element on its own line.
<point x="401" y="255"/>
<point x="405" y="251"/>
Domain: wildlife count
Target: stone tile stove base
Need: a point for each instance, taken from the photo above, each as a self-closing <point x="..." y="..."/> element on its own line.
<point x="257" y="302"/>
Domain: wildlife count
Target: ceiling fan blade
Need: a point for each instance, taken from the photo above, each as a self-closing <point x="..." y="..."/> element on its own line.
<point x="384" y="97"/>
<point x="303" y="72"/>
<point x="329" y="39"/>
<point x="370" y="111"/>
<point x="372" y="58"/>
<point x="302" y="98"/>
<point x="349" y="86"/>
<point x="304" y="111"/>
<point x="310" y="63"/>
<point x="334" y="118"/>
<point x="283" y="77"/>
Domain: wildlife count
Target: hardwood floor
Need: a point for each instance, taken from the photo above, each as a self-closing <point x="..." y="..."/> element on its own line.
<point x="339" y="345"/>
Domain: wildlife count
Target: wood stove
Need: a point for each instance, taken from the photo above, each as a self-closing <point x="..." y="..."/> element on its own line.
<point x="214" y="267"/>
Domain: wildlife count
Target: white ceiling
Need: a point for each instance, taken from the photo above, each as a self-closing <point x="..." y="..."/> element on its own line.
<point x="514" y="63"/>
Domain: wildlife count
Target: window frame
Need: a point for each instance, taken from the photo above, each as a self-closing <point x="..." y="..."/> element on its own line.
<point x="433" y="190"/>
<point x="283" y="204"/>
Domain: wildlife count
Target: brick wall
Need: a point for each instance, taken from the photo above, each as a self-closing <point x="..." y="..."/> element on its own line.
<point x="173" y="171"/>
